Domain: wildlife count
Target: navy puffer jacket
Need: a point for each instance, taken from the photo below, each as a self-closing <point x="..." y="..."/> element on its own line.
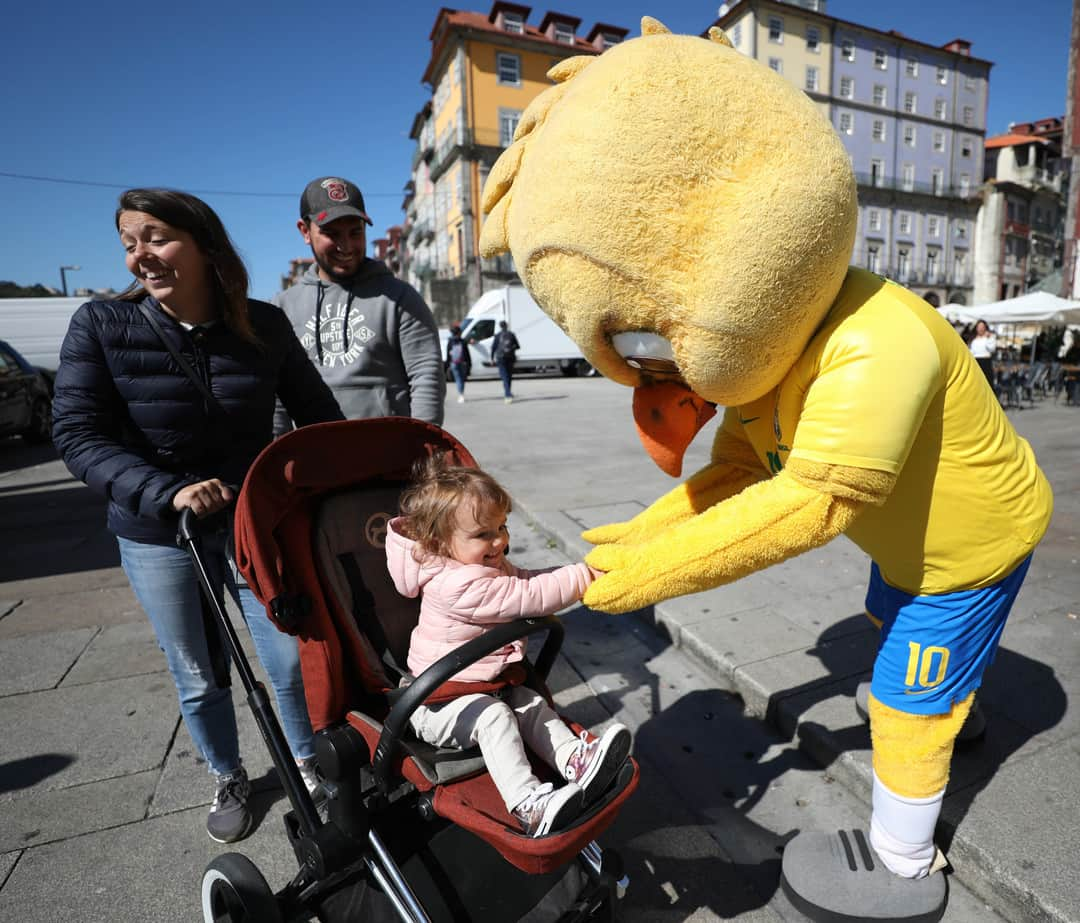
<point x="135" y="428"/>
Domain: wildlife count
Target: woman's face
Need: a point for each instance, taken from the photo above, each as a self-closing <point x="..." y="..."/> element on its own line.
<point x="166" y="261"/>
<point x="981" y="329"/>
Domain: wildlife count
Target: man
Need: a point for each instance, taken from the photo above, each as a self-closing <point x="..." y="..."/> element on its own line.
<point x="504" y="351"/>
<point x="371" y="335"/>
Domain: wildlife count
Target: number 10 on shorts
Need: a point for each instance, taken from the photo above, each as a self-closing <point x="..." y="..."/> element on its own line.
<point x="922" y="662"/>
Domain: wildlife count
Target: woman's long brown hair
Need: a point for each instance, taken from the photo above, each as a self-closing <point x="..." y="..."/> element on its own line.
<point x="229" y="277"/>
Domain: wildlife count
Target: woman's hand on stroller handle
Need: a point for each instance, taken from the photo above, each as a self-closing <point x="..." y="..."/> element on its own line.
<point x="204" y="497"/>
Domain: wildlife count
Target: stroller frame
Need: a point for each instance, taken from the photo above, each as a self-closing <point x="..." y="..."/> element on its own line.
<point x="348" y="870"/>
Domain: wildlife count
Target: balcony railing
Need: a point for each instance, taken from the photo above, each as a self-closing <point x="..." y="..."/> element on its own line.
<point x="502" y="265"/>
<point x="900" y="185"/>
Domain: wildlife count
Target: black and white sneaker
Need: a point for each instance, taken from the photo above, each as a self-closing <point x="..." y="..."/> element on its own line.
<point x="230" y="819"/>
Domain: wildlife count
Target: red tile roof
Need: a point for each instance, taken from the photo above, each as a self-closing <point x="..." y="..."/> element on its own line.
<point x="1011" y="139"/>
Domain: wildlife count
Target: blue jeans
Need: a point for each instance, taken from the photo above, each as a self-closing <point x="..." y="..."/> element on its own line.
<point x="506" y="373"/>
<point x="458" y="371"/>
<point x="164" y="580"/>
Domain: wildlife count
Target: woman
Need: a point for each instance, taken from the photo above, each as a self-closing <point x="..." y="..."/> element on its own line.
<point x="458" y="360"/>
<point x="132" y="424"/>
<point x="983" y="345"/>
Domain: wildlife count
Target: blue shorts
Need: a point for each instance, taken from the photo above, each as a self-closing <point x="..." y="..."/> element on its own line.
<point x="934" y="649"/>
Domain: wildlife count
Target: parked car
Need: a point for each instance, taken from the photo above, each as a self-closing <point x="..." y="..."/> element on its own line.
<point x="25" y="398"/>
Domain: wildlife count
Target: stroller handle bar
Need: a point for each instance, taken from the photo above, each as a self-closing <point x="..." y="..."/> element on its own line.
<point x="447" y="666"/>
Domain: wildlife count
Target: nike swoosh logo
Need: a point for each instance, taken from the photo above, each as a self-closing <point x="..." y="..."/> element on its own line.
<point x="751" y="420"/>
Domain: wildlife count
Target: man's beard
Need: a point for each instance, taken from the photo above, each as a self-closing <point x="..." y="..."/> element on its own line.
<point x="335" y="274"/>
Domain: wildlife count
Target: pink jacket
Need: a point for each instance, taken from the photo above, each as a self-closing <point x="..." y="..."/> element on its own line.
<point x="460" y="602"/>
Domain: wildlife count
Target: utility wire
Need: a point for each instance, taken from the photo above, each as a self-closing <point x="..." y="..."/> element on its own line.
<point x="86" y="182"/>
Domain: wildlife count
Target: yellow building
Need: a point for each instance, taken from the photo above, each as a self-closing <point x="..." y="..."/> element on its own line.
<point x="483" y="71"/>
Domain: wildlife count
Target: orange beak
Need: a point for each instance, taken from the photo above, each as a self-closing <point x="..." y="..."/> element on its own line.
<point x="668" y="417"/>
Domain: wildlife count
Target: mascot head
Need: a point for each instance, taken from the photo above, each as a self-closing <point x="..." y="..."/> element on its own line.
<point x="682" y="212"/>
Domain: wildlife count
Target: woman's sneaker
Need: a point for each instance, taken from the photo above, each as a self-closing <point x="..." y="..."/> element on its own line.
<point x="230" y="819"/>
<point x="548" y="810"/>
<point x="596" y="762"/>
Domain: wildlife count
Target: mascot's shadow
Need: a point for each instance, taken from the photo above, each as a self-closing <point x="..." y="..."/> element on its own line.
<point x="705" y="765"/>
<point x="1020" y="698"/>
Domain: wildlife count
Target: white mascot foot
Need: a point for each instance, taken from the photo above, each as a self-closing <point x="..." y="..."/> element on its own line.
<point x="837" y="878"/>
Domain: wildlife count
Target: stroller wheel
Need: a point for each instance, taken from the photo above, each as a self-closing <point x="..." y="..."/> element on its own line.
<point x="234" y="891"/>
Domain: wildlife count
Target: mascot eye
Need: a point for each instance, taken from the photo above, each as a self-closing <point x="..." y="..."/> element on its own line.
<point x="646" y="351"/>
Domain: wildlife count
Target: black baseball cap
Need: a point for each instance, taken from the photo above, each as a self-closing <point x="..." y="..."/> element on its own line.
<point x="330" y="197"/>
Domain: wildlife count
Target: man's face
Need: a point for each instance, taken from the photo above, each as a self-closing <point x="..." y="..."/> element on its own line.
<point x="338" y="246"/>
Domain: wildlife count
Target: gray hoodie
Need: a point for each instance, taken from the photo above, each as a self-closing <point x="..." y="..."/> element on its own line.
<point x="373" y="340"/>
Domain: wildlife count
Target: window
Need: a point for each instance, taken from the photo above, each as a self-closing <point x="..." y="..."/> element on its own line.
<point x="508" y="123"/>
<point x="932" y="266"/>
<point x="903" y="264"/>
<point x="847" y="123"/>
<point x="776" y="64"/>
<point x="909" y="135"/>
<point x="959" y="267"/>
<point x="873" y="258"/>
<point x="879" y="130"/>
<point x="607" y="39"/>
<point x="776" y="30"/>
<point x="564" y="34"/>
<point x="911" y="103"/>
<point x="508" y="67"/>
<point x="874" y="219"/>
<point x="908" y="176"/>
<point x="937" y="181"/>
<point x="811" y="79"/>
<point x="736" y="35"/>
<point x="813" y="40"/>
<point x="933" y="225"/>
<point x="969" y="115"/>
<point x="939" y="109"/>
<point x="911" y="67"/>
<point x="905" y="223"/>
<point x="881" y="62"/>
<point x="877" y="172"/>
<point x="965" y="185"/>
<point x="969" y="83"/>
<point x="847" y="87"/>
<point x="961" y="230"/>
<point x="512" y="22"/>
<point x="942" y="75"/>
<point x="880" y="95"/>
<point x="939" y="142"/>
<point x="847" y="50"/>
<point x="966" y="147"/>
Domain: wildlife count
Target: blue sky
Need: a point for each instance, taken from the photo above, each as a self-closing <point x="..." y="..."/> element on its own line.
<point x="255" y="99"/>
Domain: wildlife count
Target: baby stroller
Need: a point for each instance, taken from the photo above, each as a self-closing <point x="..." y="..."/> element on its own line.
<point x="409" y="831"/>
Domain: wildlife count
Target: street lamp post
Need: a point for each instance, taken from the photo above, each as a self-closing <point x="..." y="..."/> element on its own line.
<point x="63" y="278"/>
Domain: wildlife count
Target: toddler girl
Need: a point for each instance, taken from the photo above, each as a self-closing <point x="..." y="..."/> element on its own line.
<point x="449" y="547"/>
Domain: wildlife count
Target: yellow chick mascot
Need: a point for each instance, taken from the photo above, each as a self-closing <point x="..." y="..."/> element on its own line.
<point x="687" y="217"/>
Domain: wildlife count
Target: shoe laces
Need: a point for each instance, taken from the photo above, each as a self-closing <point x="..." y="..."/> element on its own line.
<point x="534" y="801"/>
<point x="231" y="785"/>
<point x="581" y="757"/>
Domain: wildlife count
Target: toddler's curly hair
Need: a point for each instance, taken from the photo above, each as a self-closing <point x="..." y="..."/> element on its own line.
<point x="428" y="507"/>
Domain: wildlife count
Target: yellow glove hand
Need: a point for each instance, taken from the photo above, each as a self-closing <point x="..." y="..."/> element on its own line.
<point x="705" y="489"/>
<point x="763" y="525"/>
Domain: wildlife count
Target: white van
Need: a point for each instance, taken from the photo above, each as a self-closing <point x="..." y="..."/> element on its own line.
<point x="36" y="327"/>
<point x="544" y="346"/>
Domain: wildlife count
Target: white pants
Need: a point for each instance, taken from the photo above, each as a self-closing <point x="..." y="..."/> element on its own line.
<point x="501" y="726"/>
